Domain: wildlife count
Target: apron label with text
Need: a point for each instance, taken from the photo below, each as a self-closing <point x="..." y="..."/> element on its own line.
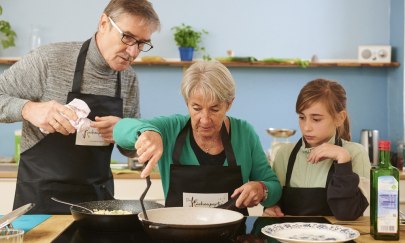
<point x="90" y="137"/>
<point x="204" y="199"/>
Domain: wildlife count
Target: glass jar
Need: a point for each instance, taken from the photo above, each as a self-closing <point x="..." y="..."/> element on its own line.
<point x="35" y="38"/>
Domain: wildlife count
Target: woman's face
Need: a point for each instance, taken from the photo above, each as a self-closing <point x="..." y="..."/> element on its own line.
<point x="206" y="116"/>
<point x="317" y="125"/>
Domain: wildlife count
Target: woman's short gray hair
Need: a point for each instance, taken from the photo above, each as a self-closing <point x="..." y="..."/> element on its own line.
<point x="211" y="78"/>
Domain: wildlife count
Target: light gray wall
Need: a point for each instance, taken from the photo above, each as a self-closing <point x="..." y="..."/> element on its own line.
<point x="261" y="28"/>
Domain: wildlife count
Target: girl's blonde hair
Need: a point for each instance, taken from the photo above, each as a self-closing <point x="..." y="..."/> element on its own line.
<point x="330" y="93"/>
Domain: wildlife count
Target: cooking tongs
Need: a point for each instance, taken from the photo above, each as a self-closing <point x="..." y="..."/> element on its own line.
<point x="7" y="219"/>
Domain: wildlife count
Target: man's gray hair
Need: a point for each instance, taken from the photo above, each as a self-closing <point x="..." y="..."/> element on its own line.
<point x="140" y="8"/>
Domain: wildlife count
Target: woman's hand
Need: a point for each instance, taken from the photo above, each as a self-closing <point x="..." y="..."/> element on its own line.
<point x="250" y="194"/>
<point x="105" y="126"/>
<point x="149" y="148"/>
<point x="273" y="211"/>
<point x="328" y="151"/>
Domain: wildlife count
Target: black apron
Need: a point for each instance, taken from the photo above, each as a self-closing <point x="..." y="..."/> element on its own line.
<point x="56" y="167"/>
<point x="202" y="178"/>
<point x="305" y="201"/>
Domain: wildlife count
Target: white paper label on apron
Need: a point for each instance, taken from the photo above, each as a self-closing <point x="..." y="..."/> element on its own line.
<point x="90" y="137"/>
<point x="206" y="200"/>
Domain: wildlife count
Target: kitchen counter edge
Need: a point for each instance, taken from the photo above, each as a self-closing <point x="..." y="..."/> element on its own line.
<point x="117" y="174"/>
<point x="124" y="174"/>
<point x="52" y="227"/>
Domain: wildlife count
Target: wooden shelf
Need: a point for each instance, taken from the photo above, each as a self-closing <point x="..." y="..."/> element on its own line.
<point x="329" y="63"/>
<point x="9" y="60"/>
<point x="277" y="65"/>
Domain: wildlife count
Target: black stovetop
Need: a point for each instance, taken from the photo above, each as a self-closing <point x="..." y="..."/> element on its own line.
<point x="250" y="231"/>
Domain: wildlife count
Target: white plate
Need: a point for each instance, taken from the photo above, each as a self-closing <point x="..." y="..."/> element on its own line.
<point x="309" y="232"/>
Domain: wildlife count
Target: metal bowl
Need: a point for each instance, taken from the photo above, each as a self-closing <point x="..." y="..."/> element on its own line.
<point x="280" y="132"/>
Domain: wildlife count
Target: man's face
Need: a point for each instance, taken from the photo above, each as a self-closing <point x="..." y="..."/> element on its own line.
<point x="117" y="54"/>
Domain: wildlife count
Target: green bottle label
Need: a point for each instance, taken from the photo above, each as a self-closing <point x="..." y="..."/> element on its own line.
<point x="387" y="217"/>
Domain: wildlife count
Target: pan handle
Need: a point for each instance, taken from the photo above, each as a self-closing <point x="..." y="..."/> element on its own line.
<point x="105" y="188"/>
<point x="154" y="226"/>
<point x="230" y="205"/>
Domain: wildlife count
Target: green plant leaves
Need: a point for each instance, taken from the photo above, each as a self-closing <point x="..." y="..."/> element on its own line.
<point x="186" y="36"/>
<point x="8" y="34"/>
<point x="7" y="39"/>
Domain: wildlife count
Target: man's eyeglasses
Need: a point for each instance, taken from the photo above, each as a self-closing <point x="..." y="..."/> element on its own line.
<point x="130" y="41"/>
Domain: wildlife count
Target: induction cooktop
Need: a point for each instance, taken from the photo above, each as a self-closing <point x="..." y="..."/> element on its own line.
<point x="250" y="231"/>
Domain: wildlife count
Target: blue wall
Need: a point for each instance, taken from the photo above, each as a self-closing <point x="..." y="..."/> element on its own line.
<point x="395" y="81"/>
<point x="261" y="28"/>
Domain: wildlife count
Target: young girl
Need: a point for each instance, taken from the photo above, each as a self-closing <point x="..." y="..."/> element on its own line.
<point x="323" y="173"/>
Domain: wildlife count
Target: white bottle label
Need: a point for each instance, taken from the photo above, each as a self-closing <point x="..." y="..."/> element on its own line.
<point x="387" y="217"/>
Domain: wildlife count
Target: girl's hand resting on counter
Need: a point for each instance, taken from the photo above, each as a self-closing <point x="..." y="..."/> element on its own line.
<point x="328" y="151"/>
<point x="149" y="148"/>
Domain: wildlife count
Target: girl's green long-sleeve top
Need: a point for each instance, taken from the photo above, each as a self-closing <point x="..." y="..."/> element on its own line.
<point x="248" y="150"/>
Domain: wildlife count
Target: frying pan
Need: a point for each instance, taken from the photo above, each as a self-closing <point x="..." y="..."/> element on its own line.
<point x="103" y="222"/>
<point x="191" y="223"/>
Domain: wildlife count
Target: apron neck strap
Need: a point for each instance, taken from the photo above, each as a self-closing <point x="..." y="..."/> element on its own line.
<point x="181" y="139"/>
<point x="78" y="75"/>
<point x="291" y="161"/>
<point x="226" y="142"/>
<point x="293" y="156"/>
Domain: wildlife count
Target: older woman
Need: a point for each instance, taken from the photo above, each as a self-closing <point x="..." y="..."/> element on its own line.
<point x="205" y="158"/>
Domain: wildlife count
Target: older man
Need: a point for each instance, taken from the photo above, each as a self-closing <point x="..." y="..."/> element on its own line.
<point x="56" y="159"/>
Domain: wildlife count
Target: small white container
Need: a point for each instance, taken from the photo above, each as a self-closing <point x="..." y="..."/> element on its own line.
<point x="11" y="235"/>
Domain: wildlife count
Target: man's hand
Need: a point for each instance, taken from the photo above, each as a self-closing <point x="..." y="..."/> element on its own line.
<point x="48" y="116"/>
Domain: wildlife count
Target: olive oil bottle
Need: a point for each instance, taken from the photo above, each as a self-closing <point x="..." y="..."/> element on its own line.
<point x="384" y="200"/>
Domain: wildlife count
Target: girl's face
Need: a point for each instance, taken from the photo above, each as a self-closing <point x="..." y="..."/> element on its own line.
<point x="206" y="117"/>
<point x="317" y="125"/>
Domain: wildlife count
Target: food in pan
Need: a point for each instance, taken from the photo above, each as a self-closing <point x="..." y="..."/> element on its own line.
<point x="111" y="212"/>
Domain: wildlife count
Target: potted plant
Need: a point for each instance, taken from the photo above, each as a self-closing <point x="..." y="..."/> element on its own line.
<point x="7" y="33"/>
<point x="188" y="40"/>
